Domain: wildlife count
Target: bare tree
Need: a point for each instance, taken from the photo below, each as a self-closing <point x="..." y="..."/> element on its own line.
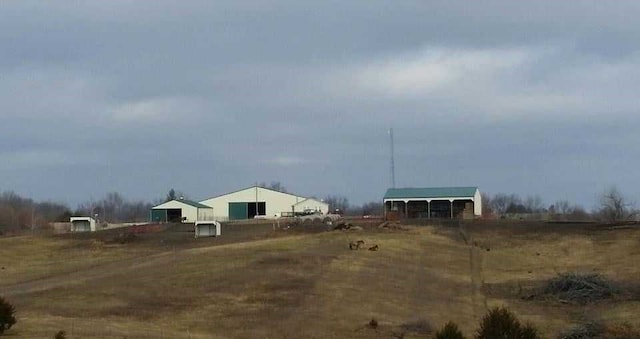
<point x="533" y="204"/>
<point x="18" y="212"/>
<point x="614" y="206"/>
<point x="487" y="204"/>
<point x="274" y="185"/>
<point x="369" y="208"/>
<point x="337" y="202"/>
<point x="562" y="207"/>
<point x="171" y="195"/>
<point x="373" y="208"/>
<point x="500" y="202"/>
<point x="115" y="208"/>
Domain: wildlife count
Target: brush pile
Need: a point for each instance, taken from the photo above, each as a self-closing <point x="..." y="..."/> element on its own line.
<point x="588" y="330"/>
<point x="580" y="288"/>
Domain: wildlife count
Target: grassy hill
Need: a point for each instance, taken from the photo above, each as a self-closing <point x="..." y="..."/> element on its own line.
<point x="254" y="282"/>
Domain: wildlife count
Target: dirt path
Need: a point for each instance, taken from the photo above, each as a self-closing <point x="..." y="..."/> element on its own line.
<point x="114" y="268"/>
<point x="82" y="276"/>
<point x="476" y="273"/>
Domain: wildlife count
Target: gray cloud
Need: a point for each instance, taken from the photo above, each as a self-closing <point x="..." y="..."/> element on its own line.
<point x="535" y="98"/>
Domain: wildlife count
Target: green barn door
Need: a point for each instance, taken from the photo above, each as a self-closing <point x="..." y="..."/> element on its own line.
<point x="158" y="216"/>
<point x="238" y="210"/>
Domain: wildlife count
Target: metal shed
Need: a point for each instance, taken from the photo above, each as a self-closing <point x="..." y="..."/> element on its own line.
<point x="83" y="224"/>
<point x="207" y="229"/>
<point x="180" y="210"/>
<point x="433" y="202"/>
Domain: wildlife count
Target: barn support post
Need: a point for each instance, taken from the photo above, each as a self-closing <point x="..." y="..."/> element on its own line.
<point x="406" y="209"/>
<point x="451" y="204"/>
<point x="428" y="209"/>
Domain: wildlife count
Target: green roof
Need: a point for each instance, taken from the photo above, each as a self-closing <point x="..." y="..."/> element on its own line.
<point x="430" y="192"/>
<point x="192" y="203"/>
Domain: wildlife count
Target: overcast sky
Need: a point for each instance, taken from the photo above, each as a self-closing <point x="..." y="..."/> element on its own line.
<point x="536" y="97"/>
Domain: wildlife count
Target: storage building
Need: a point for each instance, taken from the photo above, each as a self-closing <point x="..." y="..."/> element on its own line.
<point x="259" y="201"/>
<point x="83" y="224"/>
<point x="181" y="210"/>
<point x="433" y="202"/>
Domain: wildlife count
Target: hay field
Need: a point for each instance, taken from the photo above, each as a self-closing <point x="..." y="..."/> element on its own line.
<point x="294" y="284"/>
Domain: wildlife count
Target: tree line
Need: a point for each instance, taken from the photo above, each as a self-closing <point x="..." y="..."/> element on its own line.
<point x="25" y="213"/>
<point x="17" y="212"/>
<point x="611" y="206"/>
<point x="20" y="212"/>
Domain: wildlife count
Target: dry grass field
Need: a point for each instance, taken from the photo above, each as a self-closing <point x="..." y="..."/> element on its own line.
<point x="256" y="283"/>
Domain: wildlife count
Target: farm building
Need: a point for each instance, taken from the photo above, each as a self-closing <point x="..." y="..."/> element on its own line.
<point x="83" y="224"/>
<point x="259" y="201"/>
<point x="433" y="202"/>
<point x="180" y="210"/>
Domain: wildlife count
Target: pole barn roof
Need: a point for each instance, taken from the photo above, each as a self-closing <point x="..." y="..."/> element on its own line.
<point x="182" y="201"/>
<point x="430" y="192"/>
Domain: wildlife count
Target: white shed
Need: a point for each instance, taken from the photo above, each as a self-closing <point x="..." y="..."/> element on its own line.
<point x="83" y="224"/>
<point x="207" y="229"/>
<point x="181" y="210"/>
<point x="259" y="201"/>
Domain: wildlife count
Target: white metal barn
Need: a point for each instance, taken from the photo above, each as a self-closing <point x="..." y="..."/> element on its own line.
<point x="207" y="229"/>
<point x="259" y="201"/>
<point x="82" y="224"/>
<point x="181" y="210"/>
<point x="311" y="204"/>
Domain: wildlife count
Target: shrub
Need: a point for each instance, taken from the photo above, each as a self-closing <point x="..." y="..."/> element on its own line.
<point x="60" y="335"/>
<point x="7" y="318"/>
<point x="596" y="329"/>
<point x="501" y="323"/>
<point x="449" y="331"/>
<point x="373" y="323"/>
<point x="584" y="331"/>
<point x="421" y="326"/>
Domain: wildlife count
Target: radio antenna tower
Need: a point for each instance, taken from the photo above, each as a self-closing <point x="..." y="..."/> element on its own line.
<point x="393" y="167"/>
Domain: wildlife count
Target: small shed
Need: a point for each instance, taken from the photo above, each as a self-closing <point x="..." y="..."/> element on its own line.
<point x="207" y="229"/>
<point x="83" y="224"/>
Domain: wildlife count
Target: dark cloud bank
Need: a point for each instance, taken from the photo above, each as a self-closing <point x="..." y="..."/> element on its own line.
<point x="207" y="97"/>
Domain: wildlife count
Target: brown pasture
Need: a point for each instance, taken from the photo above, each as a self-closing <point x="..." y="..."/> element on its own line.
<point x="257" y="282"/>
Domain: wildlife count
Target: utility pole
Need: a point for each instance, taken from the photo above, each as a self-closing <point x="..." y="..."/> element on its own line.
<point x="393" y="167"/>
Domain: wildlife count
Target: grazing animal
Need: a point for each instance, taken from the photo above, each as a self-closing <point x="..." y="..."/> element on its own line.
<point x="373" y="248"/>
<point x="355" y="245"/>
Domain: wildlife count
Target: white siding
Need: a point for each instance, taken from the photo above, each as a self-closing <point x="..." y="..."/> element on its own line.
<point x="83" y="224"/>
<point x="207" y="229"/>
<point x="205" y="214"/>
<point x="312" y="204"/>
<point x="276" y="202"/>
<point x="188" y="211"/>
<point x="477" y="204"/>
